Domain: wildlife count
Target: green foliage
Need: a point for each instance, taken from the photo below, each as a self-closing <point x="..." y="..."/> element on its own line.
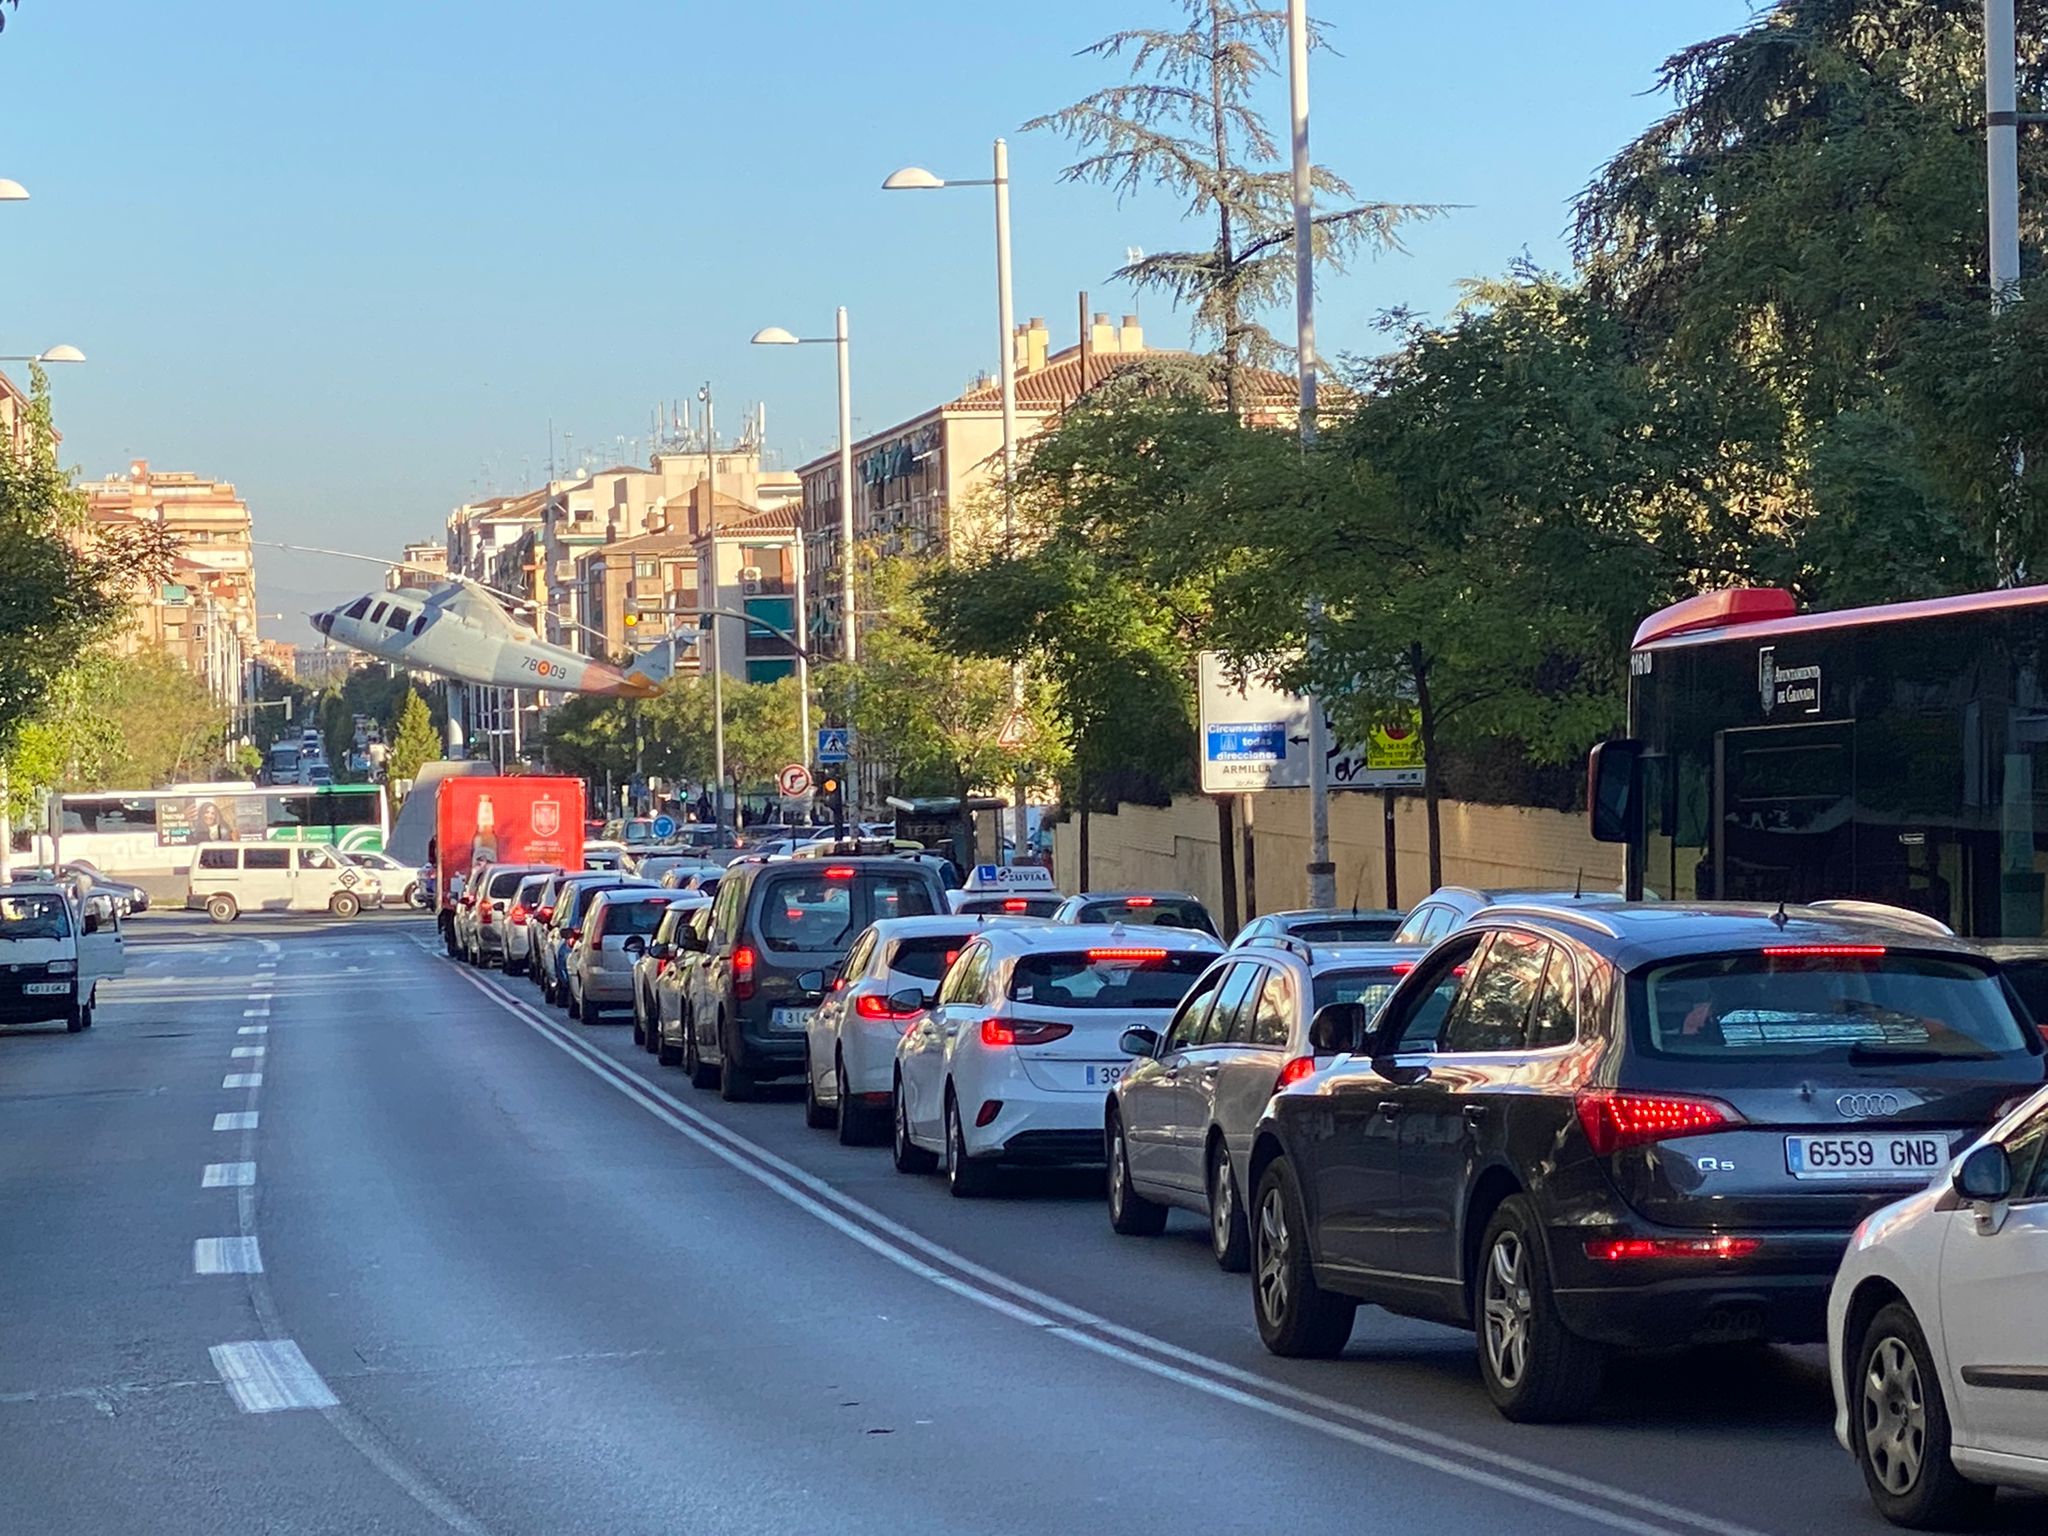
<point x="415" y="741"/>
<point x="119" y="722"/>
<point x="59" y="591"/>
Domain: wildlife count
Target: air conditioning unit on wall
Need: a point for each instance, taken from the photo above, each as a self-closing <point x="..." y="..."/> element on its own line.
<point x="750" y="580"/>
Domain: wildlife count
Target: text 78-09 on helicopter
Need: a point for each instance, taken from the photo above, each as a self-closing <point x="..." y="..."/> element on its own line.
<point x="458" y="629"/>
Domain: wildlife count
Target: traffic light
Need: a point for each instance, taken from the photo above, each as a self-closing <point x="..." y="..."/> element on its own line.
<point x="833" y="788"/>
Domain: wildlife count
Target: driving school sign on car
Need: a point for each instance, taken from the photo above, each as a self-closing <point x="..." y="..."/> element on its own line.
<point x="1255" y="736"/>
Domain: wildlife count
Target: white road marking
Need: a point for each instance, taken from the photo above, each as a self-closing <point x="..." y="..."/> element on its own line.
<point x="253" y="1029"/>
<point x="242" y="1051"/>
<point x="235" y="1120"/>
<point x="255" y="1013"/>
<point x="242" y="1080"/>
<point x="228" y="1176"/>
<point x="1482" y="1466"/>
<point x="270" y="1376"/>
<point x="226" y="1256"/>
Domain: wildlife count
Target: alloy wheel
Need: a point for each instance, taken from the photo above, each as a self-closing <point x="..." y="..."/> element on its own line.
<point x="1509" y="1306"/>
<point x="1116" y="1171"/>
<point x="1894" y="1416"/>
<point x="1273" y="1281"/>
<point x="1222" y="1203"/>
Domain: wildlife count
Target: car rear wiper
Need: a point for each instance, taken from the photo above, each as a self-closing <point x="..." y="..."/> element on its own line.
<point x="1864" y="1050"/>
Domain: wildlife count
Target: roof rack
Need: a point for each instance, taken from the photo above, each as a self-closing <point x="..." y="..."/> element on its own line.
<point x="1294" y="945"/>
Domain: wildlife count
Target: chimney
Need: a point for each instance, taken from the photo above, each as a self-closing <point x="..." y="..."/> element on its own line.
<point x="1101" y="335"/>
<point x="1130" y="336"/>
<point x="1037" y="341"/>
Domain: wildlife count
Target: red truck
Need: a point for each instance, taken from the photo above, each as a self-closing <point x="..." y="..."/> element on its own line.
<point x="521" y="819"/>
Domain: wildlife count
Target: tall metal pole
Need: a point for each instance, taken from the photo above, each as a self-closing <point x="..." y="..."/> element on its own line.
<point x="717" y="658"/>
<point x="1006" y="315"/>
<point x="848" y="638"/>
<point x="803" y="654"/>
<point x="1322" y="874"/>
<point x="2001" y="148"/>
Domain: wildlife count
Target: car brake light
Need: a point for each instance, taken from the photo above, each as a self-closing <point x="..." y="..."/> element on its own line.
<point x="546" y="914"/>
<point x="1777" y="951"/>
<point x="870" y="1006"/>
<point x="1137" y="901"/>
<point x="1613" y="1249"/>
<point x="1015" y="904"/>
<point x="1095" y="955"/>
<point x="1402" y="967"/>
<point x="1614" y="1120"/>
<point x="518" y="914"/>
<point x="1017" y="1032"/>
<point x="839" y="872"/>
<point x="743" y="960"/>
<point x="575" y="935"/>
<point x="1294" y="1072"/>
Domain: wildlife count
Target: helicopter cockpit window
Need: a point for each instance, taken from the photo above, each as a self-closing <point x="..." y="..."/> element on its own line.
<point x="359" y="607"/>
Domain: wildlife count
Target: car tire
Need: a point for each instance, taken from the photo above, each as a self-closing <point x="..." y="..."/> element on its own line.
<point x="665" y="1055"/>
<point x="1297" y="1318"/>
<point x="639" y="1022"/>
<point x="1536" y="1370"/>
<point x="80" y="1017"/>
<point x="908" y="1156"/>
<point x="222" y="908"/>
<point x="1900" y="1432"/>
<point x="1230" y="1237"/>
<point x="857" y="1127"/>
<point x="967" y="1178"/>
<point x="701" y="1076"/>
<point x="344" y="904"/>
<point x="818" y="1115"/>
<point x="1130" y="1213"/>
<point x="735" y="1083"/>
<point x="569" y="1004"/>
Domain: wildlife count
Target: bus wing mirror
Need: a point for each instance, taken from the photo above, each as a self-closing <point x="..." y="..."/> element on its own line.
<point x="1613" y="783"/>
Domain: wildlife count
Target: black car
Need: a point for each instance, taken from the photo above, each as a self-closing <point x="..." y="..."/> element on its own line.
<point x="1578" y="1125"/>
<point x="777" y="933"/>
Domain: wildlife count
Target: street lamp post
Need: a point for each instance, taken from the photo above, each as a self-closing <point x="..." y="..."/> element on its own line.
<point x="776" y="336"/>
<point x="2001" y="148"/>
<point x="60" y="354"/>
<point x="914" y="178"/>
<point x="717" y="656"/>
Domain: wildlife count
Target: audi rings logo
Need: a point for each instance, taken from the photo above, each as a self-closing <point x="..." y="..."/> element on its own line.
<point x="1867" y="1106"/>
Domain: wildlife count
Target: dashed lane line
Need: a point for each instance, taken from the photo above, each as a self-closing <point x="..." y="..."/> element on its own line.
<point x="270" y="1376"/>
<point x="227" y="1175"/>
<point x="227" y="1256"/>
<point x="242" y="1080"/>
<point x="235" y="1120"/>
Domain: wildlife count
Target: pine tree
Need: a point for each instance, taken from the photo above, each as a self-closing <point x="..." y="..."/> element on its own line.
<point x="1184" y="121"/>
<point x="416" y="741"/>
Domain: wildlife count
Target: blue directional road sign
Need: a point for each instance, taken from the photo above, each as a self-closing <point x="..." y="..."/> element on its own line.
<point x="664" y="827"/>
<point x="833" y="743"/>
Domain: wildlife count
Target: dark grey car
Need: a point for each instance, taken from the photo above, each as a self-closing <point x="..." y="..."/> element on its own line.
<point x="777" y="933"/>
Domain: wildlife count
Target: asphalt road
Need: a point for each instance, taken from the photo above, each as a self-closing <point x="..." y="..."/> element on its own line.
<point x="450" y="1262"/>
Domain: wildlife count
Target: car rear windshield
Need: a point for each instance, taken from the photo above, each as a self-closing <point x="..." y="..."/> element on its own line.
<point x="1151" y="912"/>
<point x="1013" y="906"/>
<point x="1367" y="987"/>
<point x="823" y="912"/>
<point x="1346" y="930"/>
<point x="1122" y="978"/>
<point x="1821" y="1003"/>
<point x="641" y="917"/>
<point x="927" y="958"/>
<point x="506" y="884"/>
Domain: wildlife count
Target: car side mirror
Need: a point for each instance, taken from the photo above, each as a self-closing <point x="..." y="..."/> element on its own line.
<point x="1139" y="1042"/>
<point x="811" y="981"/>
<point x="1337" y="1028"/>
<point x="1986" y="1175"/>
<point x="659" y="951"/>
<point x="692" y="940"/>
<point x="92" y="922"/>
<point x="1613" y="783"/>
<point x="634" y="945"/>
<point x="910" y="1000"/>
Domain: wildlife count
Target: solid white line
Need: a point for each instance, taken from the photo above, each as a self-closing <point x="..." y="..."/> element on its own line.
<point x="242" y="1080"/>
<point x="235" y="1120"/>
<point x="226" y="1256"/>
<point x="253" y="1029"/>
<point x="227" y="1175"/>
<point x="246" y="1051"/>
<point x="270" y="1376"/>
<point x="1468" y="1462"/>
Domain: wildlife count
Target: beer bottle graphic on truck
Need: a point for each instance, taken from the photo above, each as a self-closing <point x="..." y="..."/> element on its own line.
<point x="483" y="848"/>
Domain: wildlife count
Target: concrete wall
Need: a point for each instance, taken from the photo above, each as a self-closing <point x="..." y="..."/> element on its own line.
<point x="1490" y="846"/>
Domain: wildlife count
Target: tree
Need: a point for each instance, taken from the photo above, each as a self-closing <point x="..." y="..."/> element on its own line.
<point x="1184" y="121"/>
<point x="414" y="742"/>
<point x="61" y="590"/>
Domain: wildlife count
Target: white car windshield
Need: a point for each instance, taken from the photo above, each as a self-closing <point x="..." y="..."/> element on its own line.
<point x="34" y="917"/>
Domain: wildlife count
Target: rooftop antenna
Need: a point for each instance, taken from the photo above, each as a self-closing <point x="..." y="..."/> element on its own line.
<point x="1579" y="889"/>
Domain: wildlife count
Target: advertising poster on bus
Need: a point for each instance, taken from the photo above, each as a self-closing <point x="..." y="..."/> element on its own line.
<point x="523" y="819"/>
<point x="182" y="820"/>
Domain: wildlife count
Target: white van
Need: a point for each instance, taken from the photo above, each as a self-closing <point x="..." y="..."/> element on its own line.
<point x="228" y="879"/>
<point x="59" y="949"/>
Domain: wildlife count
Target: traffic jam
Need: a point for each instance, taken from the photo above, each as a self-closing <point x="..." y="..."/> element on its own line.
<point x="1580" y="1126"/>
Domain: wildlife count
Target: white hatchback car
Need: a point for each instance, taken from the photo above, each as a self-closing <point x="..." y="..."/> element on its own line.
<point x="852" y="1036"/>
<point x="1012" y="1061"/>
<point x="1936" y="1340"/>
<point x="521" y="921"/>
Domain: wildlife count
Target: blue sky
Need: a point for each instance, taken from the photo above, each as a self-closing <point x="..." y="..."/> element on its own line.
<point x="355" y="257"/>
